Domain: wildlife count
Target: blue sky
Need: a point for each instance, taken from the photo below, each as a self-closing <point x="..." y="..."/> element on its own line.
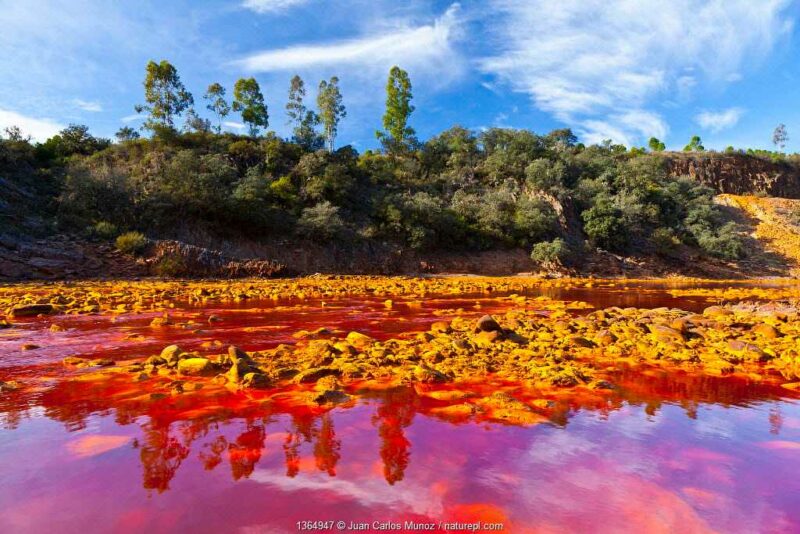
<point x="727" y="70"/>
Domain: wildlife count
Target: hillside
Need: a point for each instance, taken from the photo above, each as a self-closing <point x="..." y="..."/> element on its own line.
<point x="499" y="202"/>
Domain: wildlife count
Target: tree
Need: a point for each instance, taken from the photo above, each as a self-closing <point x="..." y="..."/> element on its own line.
<point x="779" y="136"/>
<point x="656" y="145"/>
<point x="304" y="120"/>
<point x="196" y="123"/>
<point x="331" y="109"/>
<point x="74" y="139"/>
<point x="248" y="100"/>
<point x="126" y="133"/>
<point x="215" y="94"/>
<point x="165" y="95"/>
<point x="397" y="135"/>
<point x="14" y="133"/>
<point x="695" y="145"/>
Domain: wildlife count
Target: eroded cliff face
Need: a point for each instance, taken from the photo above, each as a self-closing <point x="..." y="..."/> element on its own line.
<point x="738" y="174"/>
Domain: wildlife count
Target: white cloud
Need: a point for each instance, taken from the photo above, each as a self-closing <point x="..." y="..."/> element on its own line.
<point x="132" y="118"/>
<point x="716" y="121"/>
<point x="271" y="6"/>
<point x="93" y="107"/>
<point x="427" y="48"/>
<point x="600" y="64"/>
<point x="38" y="129"/>
<point x="234" y="125"/>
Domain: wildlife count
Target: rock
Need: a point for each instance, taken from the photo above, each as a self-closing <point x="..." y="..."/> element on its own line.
<point x="312" y="375"/>
<point x="327" y="383"/>
<point x="441" y="327"/>
<point x="73" y="360"/>
<point x="29" y="346"/>
<point x="11" y="385"/>
<point x="665" y="334"/>
<point x="172" y="353"/>
<point x="359" y="340"/>
<point x="196" y="367"/>
<point x="255" y="381"/>
<point x="235" y="353"/>
<point x="582" y="342"/>
<point x="717" y="311"/>
<point x="155" y="361"/>
<point x="32" y="310"/>
<point x="766" y="330"/>
<point x="426" y="375"/>
<point x="102" y="362"/>
<point x="605" y="338"/>
<point x="330" y="397"/>
<point x="487" y="324"/>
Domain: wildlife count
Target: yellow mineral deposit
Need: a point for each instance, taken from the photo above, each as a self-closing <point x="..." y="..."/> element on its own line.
<point x="502" y="368"/>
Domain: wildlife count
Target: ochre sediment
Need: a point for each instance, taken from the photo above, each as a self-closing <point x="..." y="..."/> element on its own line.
<point x="507" y="367"/>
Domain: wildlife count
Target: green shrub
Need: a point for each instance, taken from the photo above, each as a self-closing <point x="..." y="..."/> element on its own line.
<point x="105" y="230"/>
<point x="664" y="240"/>
<point x="551" y="253"/>
<point x="321" y="222"/>
<point x="726" y="243"/>
<point x="131" y="243"/>
<point x="170" y="265"/>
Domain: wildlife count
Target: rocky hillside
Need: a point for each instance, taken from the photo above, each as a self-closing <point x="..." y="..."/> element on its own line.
<point x="738" y="174"/>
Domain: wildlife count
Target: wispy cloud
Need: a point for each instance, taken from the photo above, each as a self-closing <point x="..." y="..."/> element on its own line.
<point x="132" y="118"/>
<point x="716" y="121"/>
<point x="271" y="6"/>
<point x="92" y="107"/>
<point x="601" y="64"/>
<point x="428" y="47"/>
<point x="38" y="128"/>
<point x="234" y="125"/>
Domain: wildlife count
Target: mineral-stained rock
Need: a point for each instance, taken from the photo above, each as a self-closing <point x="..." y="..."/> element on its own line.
<point x="487" y="323"/>
<point x="256" y="381"/>
<point x="32" y="310"/>
<point x="196" y="367"/>
<point x="312" y="375"/>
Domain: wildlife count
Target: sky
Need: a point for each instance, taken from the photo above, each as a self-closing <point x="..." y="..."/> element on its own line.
<point x="626" y="70"/>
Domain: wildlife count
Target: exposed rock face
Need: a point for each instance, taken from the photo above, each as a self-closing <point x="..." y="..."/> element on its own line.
<point x="738" y="174"/>
<point x="190" y="260"/>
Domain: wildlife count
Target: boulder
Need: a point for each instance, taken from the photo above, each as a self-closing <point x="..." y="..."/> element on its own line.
<point x="487" y="323"/>
<point x="32" y="310"/>
<point x="196" y="367"/>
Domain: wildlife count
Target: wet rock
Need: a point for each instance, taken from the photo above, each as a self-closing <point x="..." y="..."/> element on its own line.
<point x="11" y="385"/>
<point x="171" y="354"/>
<point x="581" y="342"/>
<point x="487" y="323"/>
<point x="74" y="360"/>
<point x="196" y="367"/>
<point x="329" y="397"/>
<point x="102" y="362"/>
<point x="329" y="382"/>
<point x="427" y="375"/>
<point x="255" y="381"/>
<point x="155" y="361"/>
<point x="766" y="330"/>
<point x="359" y="340"/>
<point x="441" y="327"/>
<point x="29" y="346"/>
<point x="32" y="310"/>
<point x="312" y="375"/>
<point x="665" y="334"/>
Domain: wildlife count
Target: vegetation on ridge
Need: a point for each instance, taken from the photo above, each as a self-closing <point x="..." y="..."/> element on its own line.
<point x="459" y="190"/>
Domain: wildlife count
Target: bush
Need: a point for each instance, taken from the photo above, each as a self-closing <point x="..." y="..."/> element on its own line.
<point x="170" y="265"/>
<point x="321" y="222"/>
<point x="105" y="230"/>
<point x="664" y="240"/>
<point x="131" y="243"/>
<point x="551" y="253"/>
<point x="725" y="244"/>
